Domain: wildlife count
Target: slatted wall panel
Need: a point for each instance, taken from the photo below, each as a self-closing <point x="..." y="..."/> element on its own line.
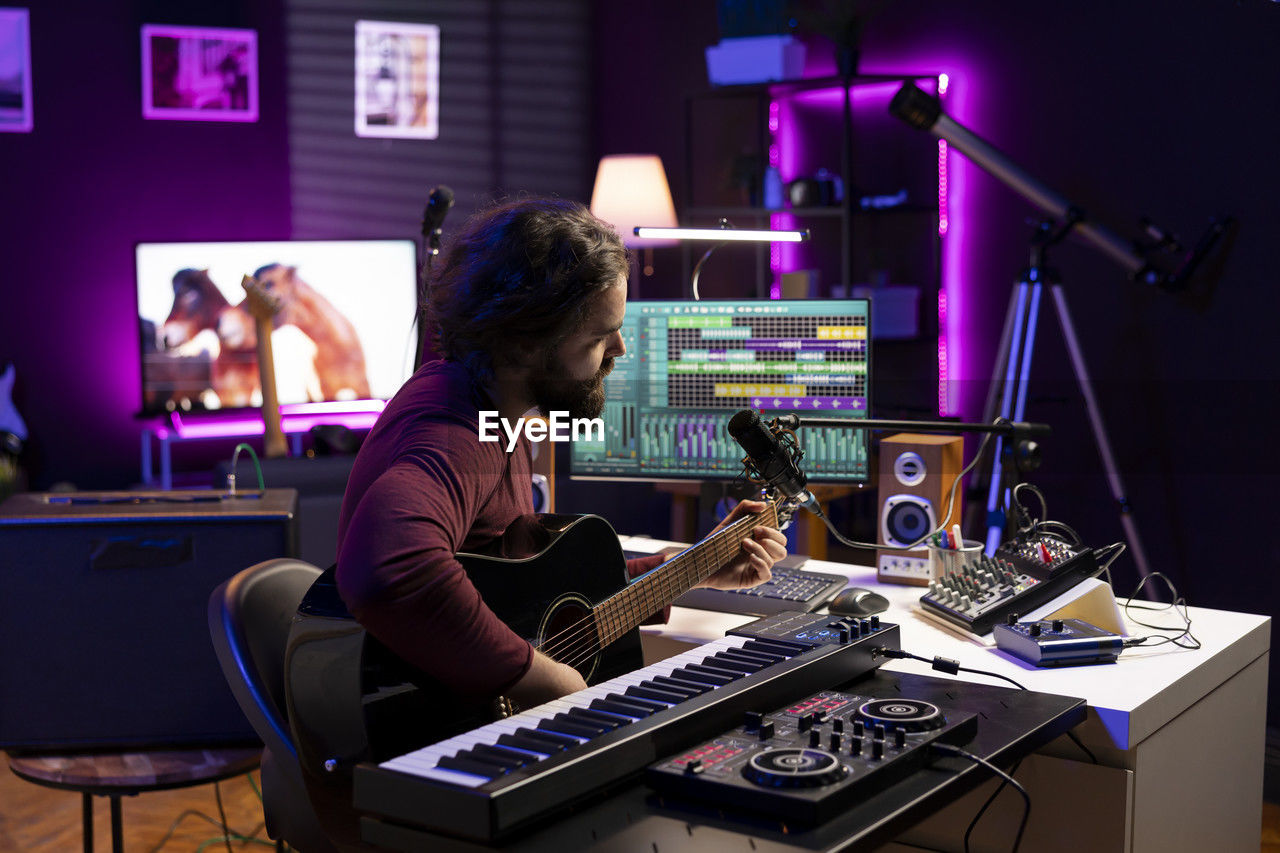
<point x="514" y="113"/>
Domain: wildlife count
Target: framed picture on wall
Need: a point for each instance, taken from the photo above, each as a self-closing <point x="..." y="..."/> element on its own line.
<point x="199" y="73"/>
<point x="15" y="71"/>
<point x="397" y="80"/>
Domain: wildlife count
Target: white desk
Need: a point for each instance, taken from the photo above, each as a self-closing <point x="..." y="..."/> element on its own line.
<point x="1179" y="734"/>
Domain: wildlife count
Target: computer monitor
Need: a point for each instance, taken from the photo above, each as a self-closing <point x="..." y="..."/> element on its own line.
<point x="691" y="365"/>
<point x="344" y="331"/>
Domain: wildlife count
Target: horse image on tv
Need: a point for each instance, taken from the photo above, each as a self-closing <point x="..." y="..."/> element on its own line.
<point x="206" y="349"/>
<point x="209" y="343"/>
<point x="339" y="359"/>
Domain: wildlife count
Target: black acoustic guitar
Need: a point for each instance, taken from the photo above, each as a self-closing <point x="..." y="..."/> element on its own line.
<point x="351" y="700"/>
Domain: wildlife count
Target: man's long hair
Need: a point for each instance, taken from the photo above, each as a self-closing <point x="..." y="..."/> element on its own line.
<point x="520" y="272"/>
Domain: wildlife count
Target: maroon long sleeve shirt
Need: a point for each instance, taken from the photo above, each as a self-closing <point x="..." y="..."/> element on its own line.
<point x="423" y="488"/>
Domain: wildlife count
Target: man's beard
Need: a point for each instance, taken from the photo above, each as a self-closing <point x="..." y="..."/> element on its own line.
<point x="580" y="398"/>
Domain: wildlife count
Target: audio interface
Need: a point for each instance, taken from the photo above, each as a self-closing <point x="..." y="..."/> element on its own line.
<point x="1059" y="642"/>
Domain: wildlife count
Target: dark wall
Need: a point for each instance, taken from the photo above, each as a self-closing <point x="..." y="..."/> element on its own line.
<point x="92" y="179"/>
<point x="1161" y="109"/>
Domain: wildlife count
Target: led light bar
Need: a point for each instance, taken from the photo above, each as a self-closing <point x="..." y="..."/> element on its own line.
<point x="723" y="235"/>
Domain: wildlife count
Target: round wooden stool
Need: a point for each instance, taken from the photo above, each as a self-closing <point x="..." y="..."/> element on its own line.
<point x="126" y="774"/>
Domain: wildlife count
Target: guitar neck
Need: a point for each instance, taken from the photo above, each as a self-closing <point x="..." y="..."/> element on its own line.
<point x="274" y="445"/>
<point x="626" y="609"/>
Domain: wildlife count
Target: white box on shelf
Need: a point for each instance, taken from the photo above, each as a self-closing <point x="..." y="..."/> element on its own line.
<point x="754" y="59"/>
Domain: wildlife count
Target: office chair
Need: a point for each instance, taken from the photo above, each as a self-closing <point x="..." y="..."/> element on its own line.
<point x="249" y="619"/>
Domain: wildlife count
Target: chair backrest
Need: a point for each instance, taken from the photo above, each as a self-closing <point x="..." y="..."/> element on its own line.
<point x="249" y="620"/>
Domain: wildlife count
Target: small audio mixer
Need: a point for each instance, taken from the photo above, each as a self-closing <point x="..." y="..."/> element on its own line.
<point x="1022" y="575"/>
<point x="811" y="759"/>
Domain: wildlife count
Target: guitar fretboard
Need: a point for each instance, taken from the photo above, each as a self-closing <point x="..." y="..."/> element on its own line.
<point x="649" y="593"/>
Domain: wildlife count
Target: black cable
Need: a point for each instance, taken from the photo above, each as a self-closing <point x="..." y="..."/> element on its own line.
<point x="222" y="813"/>
<point x="1160" y="639"/>
<point x="816" y="508"/>
<point x="942" y="664"/>
<point x="173" y="827"/>
<point x="1080" y="744"/>
<point x="973" y="824"/>
<point x="1026" y="814"/>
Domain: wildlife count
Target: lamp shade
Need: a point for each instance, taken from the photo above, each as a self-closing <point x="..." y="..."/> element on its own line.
<point x="632" y="190"/>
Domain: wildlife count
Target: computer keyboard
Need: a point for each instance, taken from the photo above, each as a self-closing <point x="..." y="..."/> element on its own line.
<point x="791" y="588"/>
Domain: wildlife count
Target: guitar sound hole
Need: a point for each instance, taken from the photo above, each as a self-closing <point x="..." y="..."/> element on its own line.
<point x="568" y="634"/>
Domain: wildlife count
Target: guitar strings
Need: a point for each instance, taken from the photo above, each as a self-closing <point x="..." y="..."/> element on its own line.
<point x="581" y="640"/>
<point x="583" y="628"/>
<point x="584" y="631"/>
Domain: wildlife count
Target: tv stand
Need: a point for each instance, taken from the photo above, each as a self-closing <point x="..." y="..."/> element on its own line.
<point x="295" y="421"/>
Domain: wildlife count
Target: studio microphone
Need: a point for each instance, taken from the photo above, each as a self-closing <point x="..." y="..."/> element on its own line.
<point x="770" y="458"/>
<point x="438" y="204"/>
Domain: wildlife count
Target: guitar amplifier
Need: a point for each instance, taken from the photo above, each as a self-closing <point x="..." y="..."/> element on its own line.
<point x="104" y="641"/>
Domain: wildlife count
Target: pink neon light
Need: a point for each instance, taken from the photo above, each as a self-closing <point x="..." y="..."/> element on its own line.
<point x="858" y="95"/>
<point x="942" y="188"/>
<point x="773" y="116"/>
<point x="944" y="373"/>
<point x="943" y="81"/>
<point x="338" y="407"/>
<point x="296" y="417"/>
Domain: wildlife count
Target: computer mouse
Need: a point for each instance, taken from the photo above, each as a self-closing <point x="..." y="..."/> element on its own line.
<point x="856" y="601"/>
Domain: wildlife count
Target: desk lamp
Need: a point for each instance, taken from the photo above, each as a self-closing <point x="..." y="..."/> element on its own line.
<point x="725" y="233"/>
<point x="633" y="188"/>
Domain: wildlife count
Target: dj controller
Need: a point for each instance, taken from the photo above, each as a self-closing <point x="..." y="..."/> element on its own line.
<point x="810" y="759"/>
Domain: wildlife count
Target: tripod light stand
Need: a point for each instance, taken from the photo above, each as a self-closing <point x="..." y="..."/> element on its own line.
<point x="1012" y="370"/>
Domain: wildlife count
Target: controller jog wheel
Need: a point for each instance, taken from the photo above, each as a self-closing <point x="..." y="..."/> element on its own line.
<point x="794" y="768"/>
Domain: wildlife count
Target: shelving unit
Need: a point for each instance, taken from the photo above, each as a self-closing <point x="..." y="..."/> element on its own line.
<point x="735" y="133"/>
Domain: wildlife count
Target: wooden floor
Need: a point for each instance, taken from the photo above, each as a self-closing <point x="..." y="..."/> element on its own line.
<point x="36" y="819"/>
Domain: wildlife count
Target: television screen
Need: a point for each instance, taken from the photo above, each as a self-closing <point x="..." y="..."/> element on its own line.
<point x="690" y="366"/>
<point x="343" y="328"/>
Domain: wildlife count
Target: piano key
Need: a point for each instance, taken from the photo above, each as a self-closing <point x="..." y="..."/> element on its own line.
<point x="756" y="657"/>
<point x="652" y="704"/>
<point x="528" y="744"/>
<point x="503" y="765"/>
<point x="468" y="765"/>
<point x="520" y="758"/>
<point x="729" y="663"/>
<point x="615" y="707"/>
<point x="559" y="740"/>
<point x="686" y="688"/>
<point x="719" y="677"/>
<point x="590" y="718"/>
<point x="604" y="716"/>
<point x="648" y="692"/>
<point x="776" y="646"/>
<point x="561" y="724"/>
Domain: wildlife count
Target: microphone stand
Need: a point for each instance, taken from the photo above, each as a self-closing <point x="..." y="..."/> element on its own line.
<point x="1022" y="435"/>
<point x="431" y="248"/>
